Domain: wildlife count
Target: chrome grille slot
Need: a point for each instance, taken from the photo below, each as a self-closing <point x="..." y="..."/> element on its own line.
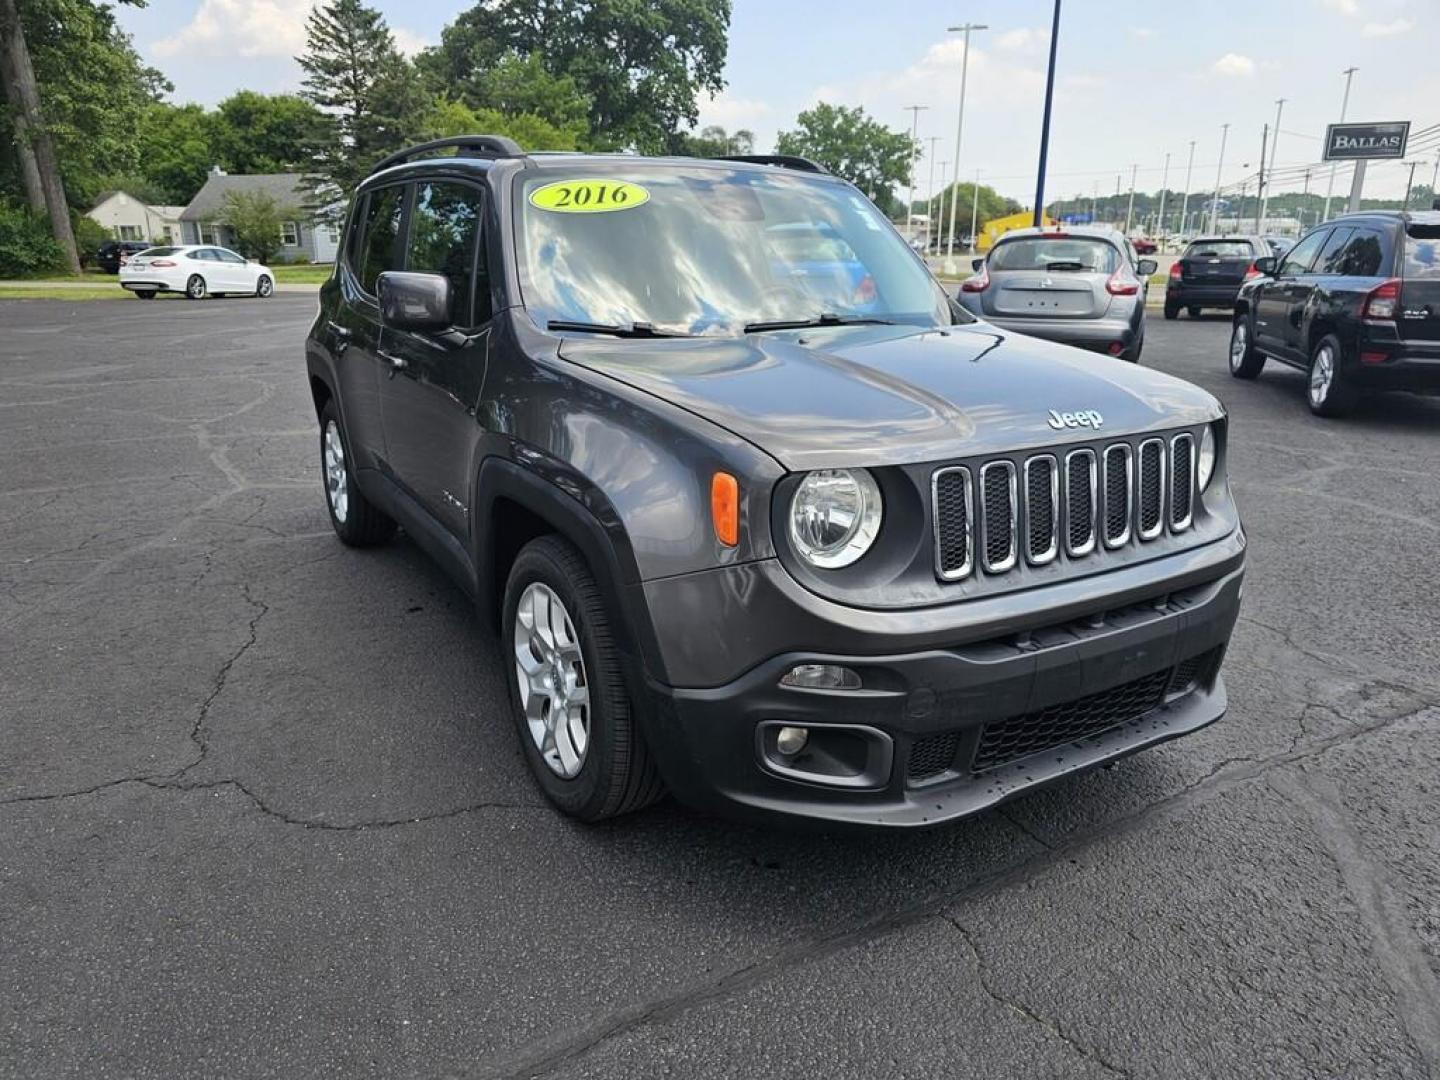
<point x="1042" y="509"/>
<point x="1151" y="494"/>
<point x="1080" y="502"/>
<point x="1119" y="483"/>
<point x="954" y="522"/>
<point x="997" y="515"/>
<point x="1182" y="459"/>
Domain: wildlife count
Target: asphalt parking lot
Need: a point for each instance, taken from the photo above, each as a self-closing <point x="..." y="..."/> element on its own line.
<point x="262" y="814"/>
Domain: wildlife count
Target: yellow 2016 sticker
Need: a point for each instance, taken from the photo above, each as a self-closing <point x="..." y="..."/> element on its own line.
<point x="589" y="196"/>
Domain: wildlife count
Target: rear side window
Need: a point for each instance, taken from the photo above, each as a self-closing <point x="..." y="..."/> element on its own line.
<point x="444" y="229"/>
<point x="1363" y="255"/>
<point x="1218" y="249"/>
<point x="381" y="229"/>
<point x="1332" y="255"/>
<point x="157" y="252"/>
<point x="1055" y="253"/>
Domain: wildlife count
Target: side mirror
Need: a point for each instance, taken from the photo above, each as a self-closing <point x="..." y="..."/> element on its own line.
<point x="1266" y="265"/>
<point x="976" y="264"/>
<point x="1146" y="267"/>
<point x="414" y="301"/>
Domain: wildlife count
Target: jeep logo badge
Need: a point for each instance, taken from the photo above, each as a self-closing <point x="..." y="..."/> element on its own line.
<point x="1084" y="418"/>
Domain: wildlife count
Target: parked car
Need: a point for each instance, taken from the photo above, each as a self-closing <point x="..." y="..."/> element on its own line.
<point x="740" y="538"/>
<point x="1355" y="304"/>
<point x="113" y="254"/>
<point x="1210" y="271"/>
<point x="197" y="271"/>
<point x="1144" y="245"/>
<point x="1079" y="285"/>
<point x="1279" y="245"/>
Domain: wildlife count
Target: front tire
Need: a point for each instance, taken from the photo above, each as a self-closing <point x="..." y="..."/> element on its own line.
<point x="1245" y="361"/>
<point x="195" y="288"/>
<point x="567" y="690"/>
<point x="356" y="520"/>
<point x="264" y="287"/>
<point x="1327" y="389"/>
<point x="1172" y="311"/>
<point x="1193" y="311"/>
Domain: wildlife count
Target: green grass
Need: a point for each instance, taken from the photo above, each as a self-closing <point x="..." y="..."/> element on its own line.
<point x="40" y="291"/>
<point x="302" y="275"/>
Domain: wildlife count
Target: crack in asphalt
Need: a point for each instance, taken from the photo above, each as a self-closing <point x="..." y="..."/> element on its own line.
<point x="548" y="1057"/>
<point x="982" y="977"/>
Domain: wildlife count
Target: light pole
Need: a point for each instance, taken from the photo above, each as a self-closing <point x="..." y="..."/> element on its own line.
<point x="974" y="211"/>
<point x="1094" y="201"/>
<point x="940" y="210"/>
<point x="1164" y="179"/>
<point x="960" y="125"/>
<point x="915" y="111"/>
<point x="1185" y="204"/>
<point x="1130" y="206"/>
<point x="1349" y="74"/>
<point x="930" y="202"/>
<point x="1045" y="122"/>
<point x="1274" y="146"/>
<point x="1215" y="201"/>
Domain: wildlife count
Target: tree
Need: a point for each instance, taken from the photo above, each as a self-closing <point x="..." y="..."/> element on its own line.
<point x="850" y="144"/>
<point x="447" y="117"/>
<point x="262" y="133"/>
<point x="991" y="205"/>
<point x="366" y="92"/>
<point x="714" y="141"/>
<point x="256" y="220"/>
<point x="642" y="66"/>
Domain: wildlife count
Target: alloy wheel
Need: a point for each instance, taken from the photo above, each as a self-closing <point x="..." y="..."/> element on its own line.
<point x="1322" y="374"/>
<point x="336" y="486"/>
<point x="1239" y="339"/>
<point x="550" y="672"/>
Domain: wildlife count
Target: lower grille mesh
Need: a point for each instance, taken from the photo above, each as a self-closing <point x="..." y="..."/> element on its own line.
<point x="1151" y="479"/>
<point x="932" y="755"/>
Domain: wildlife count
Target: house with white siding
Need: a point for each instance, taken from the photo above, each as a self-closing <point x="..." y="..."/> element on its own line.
<point x="302" y="238"/>
<point x="127" y="218"/>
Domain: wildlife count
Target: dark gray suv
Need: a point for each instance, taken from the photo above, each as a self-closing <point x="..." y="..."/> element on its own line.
<point x="759" y="515"/>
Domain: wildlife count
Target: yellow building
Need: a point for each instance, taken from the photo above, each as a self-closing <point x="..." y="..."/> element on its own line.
<point x="995" y="228"/>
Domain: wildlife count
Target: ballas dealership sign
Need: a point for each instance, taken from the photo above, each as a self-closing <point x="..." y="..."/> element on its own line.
<point x="1355" y="142"/>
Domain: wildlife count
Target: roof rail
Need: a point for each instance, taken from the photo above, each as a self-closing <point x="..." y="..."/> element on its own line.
<point x="784" y="161"/>
<point x="492" y="146"/>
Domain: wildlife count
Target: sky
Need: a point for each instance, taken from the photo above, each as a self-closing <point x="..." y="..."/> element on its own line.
<point x="1134" y="82"/>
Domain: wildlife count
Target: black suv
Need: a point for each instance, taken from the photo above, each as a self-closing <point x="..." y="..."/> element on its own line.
<point x="1356" y="304"/>
<point x="112" y="253"/>
<point x="1210" y="272"/>
<point x="764" y="519"/>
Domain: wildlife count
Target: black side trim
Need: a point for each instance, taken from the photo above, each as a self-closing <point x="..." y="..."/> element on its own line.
<point x="433" y="538"/>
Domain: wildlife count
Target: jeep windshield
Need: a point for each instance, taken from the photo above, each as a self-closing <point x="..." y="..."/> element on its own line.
<point x="710" y="250"/>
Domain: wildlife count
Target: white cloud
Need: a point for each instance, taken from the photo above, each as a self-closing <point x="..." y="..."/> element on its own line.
<point x="1344" y="7"/>
<point x="1022" y="39"/>
<point x="1388" y="29"/>
<point x="733" y="113"/>
<point x="1141" y="32"/>
<point x="254" y="28"/>
<point x="1233" y="64"/>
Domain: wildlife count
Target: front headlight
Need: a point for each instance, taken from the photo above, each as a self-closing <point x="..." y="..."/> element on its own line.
<point x="1207" y="456"/>
<point x="834" y="516"/>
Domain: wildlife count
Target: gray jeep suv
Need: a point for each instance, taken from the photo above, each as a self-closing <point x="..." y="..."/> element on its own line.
<point x="759" y="515"/>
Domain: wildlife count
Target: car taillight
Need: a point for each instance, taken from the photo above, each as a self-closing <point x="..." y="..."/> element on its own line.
<point x="162" y="262"/>
<point x="1176" y="270"/>
<point x="980" y="282"/>
<point x="1251" y="272"/>
<point x="1382" y="301"/>
<point x="1122" y="283"/>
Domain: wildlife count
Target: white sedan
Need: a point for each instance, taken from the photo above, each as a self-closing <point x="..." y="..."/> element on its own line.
<point x="196" y="270"/>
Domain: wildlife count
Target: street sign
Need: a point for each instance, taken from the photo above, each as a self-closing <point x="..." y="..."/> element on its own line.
<point x="1361" y="142"/>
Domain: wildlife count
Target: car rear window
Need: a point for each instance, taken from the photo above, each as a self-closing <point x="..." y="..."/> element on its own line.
<point x="1422" y="254"/>
<point x="1054" y="253"/>
<point x="157" y="252"/>
<point x="1218" y="249"/>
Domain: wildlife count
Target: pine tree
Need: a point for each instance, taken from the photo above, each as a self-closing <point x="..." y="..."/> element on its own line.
<point x="370" y="101"/>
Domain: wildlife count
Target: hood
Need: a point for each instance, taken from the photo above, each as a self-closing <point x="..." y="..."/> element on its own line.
<point x="890" y="395"/>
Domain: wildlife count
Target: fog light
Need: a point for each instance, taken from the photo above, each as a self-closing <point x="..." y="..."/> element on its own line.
<point x="791" y="740"/>
<point x="821" y="677"/>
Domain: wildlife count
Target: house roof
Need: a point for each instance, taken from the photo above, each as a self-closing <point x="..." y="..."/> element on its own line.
<point x="287" y="189"/>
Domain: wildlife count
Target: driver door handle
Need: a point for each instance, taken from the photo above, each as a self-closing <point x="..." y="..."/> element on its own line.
<point x="397" y="363"/>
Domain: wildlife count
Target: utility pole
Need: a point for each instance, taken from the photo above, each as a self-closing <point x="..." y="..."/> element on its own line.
<point x="1304" y="198"/>
<point x="1260" y="187"/>
<point x="1185" y="204"/>
<point x="930" y="202"/>
<point x="974" y="215"/>
<point x="1094" y="201"/>
<point x="1045" y="123"/>
<point x="1349" y="74"/>
<point x="915" y="111"/>
<point x="940" y="210"/>
<point x="960" y="126"/>
<point x="1130" y="206"/>
<point x="24" y="95"/>
<point x="1274" y="146"/>
<point x="1164" y="179"/>
<point x="1410" y="184"/>
<point x="1219" y="168"/>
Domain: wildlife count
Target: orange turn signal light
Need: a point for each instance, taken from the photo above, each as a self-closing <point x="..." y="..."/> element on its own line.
<point x="725" y="508"/>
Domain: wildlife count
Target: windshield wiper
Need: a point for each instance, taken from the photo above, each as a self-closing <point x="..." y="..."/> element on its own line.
<point x="634" y="330"/>
<point x="1065" y="264"/>
<point x="827" y="318"/>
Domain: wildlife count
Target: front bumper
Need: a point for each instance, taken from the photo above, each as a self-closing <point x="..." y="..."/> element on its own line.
<point x="1098" y="334"/>
<point x="975" y="715"/>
